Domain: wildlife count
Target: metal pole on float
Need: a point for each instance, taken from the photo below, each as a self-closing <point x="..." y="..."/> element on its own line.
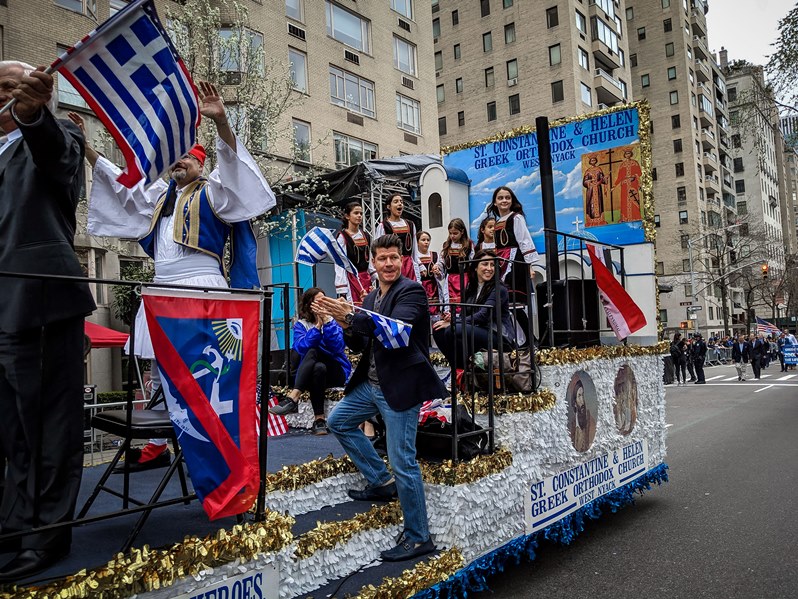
<point x="549" y="214"/>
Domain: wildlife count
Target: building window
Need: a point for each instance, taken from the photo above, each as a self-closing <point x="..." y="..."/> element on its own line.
<point x="739" y="186"/>
<point x="624" y="89"/>
<point x="117" y="5"/>
<point x="515" y="104"/>
<point x="584" y="59"/>
<point x="458" y="85"/>
<point x="738" y="165"/>
<point x="681" y="195"/>
<point x="633" y="60"/>
<point x="455" y="18"/>
<point x="669" y="49"/>
<point x="587" y="97"/>
<point x="676" y="121"/>
<point x="508" y="3"/>
<point x="235" y="59"/>
<point x="404" y="56"/>
<point x="732" y="94"/>
<point x="677" y="146"/>
<point x="742" y="208"/>
<point x="301" y="141"/>
<point x="408" y="114"/>
<point x="641" y="33"/>
<point x="683" y="220"/>
<point x="352" y="92"/>
<point x="350" y="150"/>
<point x="491" y="107"/>
<point x="557" y="94"/>
<point x="403" y="7"/>
<point x="686" y="265"/>
<point x="581" y="22"/>
<point x="552" y="17"/>
<point x="685" y="239"/>
<point x="347" y="27"/>
<point x="461" y="119"/>
<point x="630" y="13"/>
<point x="489" y="80"/>
<point x="484" y="7"/>
<point x="457" y="51"/>
<point x="554" y="55"/>
<point x="442" y="125"/>
<point x="645" y="80"/>
<point x="656" y="221"/>
<point x="88" y="7"/>
<point x="666" y="3"/>
<point x="671" y="73"/>
<point x="512" y="69"/>
<point x="667" y="25"/>
<point x="436" y="28"/>
<point x="440" y="93"/>
<point x="674" y="97"/>
<point x="298" y="69"/>
<point x="438" y="60"/>
<point x="509" y="33"/>
<point x="487" y="42"/>
<point x="67" y="94"/>
<point x="680" y="169"/>
<point x="293" y="9"/>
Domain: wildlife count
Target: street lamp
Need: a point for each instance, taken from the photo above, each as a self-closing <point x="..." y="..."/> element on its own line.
<point x="690" y="242"/>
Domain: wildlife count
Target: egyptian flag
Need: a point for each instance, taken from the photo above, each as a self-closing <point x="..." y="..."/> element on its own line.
<point x="623" y="314"/>
<point x="206" y="346"/>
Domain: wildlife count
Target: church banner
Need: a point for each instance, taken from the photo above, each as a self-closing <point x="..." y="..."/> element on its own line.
<point x="599" y="166"/>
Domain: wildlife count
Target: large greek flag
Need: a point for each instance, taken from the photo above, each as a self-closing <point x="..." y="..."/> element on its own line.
<point x="318" y="244"/>
<point x="131" y="76"/>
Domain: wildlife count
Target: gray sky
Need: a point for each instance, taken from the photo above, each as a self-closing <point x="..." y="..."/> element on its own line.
<point x="746" y="28"/>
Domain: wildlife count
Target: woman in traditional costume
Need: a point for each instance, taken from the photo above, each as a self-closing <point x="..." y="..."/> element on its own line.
<point x="357" y="245"/>
<point x="406" y="231"/>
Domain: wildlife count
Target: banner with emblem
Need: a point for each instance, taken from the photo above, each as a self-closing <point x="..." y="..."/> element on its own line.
<point x="206" y="346"/>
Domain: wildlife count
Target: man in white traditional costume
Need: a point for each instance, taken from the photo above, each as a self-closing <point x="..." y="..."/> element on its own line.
<point x="184" y="225"/>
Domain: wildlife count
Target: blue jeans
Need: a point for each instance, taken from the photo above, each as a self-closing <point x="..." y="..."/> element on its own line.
<point x="364" y="402"/>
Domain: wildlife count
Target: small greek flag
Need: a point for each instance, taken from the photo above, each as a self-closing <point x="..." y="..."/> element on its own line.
<point x="392" y="333"/>
<point x="318" y="244"/>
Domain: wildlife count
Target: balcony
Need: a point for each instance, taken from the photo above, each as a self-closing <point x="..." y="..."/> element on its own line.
<point x="608" y="89"/>
<point x="708" y="139"/>
<point x="702" y="71"/>
<point x="710" y="164"/>
<point x="700" y="48"/>
<point x="712" y="183"/>
<point x="721" y="106"/>
<point x="606" y="55"/>
<point x="698" y="22"/>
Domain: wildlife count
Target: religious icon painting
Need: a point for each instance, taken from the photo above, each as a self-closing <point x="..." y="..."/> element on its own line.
<point x="611" y="185"/>
<point x="582" y="404"/>
<point x="625" y="403"/>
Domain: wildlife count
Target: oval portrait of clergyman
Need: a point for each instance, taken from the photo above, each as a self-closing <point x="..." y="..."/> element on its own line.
<point x="625" y="405"/>
<point x="582" y="410"/>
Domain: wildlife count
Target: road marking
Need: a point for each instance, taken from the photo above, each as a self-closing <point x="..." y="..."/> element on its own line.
<point x="763" y="388"/>
<point x="732" y="378"/>
<point x="720" y="376"/>
<point x="764" y="376"/>
<point x="752" y="383"/>
<point x="787" y="378"/>
<point x="668" y="425"/>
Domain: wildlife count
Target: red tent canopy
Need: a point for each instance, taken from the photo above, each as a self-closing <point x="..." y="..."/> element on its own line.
<point x="104" y="337"/>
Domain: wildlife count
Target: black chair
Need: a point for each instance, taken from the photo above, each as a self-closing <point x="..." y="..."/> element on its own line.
<point x="133" y="424"/>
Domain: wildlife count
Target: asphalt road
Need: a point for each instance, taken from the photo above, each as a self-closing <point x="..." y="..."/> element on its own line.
<point x="724" y="526"/>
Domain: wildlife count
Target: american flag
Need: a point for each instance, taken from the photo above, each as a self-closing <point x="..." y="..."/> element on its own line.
<point x="133" y="79"/>
<point x="763" y="326"/>
<point x="276" y="425"/>
<point x="318" y="244"/>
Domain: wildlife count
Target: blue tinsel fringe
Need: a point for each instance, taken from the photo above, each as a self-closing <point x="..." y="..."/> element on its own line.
<point x="473" y="577"/>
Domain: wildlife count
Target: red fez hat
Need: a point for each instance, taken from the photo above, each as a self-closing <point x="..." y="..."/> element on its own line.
<point x="198" y="152"/>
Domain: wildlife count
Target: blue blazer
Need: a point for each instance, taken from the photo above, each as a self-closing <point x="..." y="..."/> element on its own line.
<point x="406" y="375"/>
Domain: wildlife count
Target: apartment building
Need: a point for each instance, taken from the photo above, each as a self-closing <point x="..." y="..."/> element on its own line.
<point x="363" y="74"/>
<point x="694" y="192"/>
<point x="501" y="63"/>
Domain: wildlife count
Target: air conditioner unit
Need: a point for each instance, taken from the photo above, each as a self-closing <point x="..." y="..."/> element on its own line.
<point x="512" y="82"/>
<point x="602" y="106"/>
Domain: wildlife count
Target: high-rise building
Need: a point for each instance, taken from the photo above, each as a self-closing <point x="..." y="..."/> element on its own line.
<point x="694" y="199"/>
<point x="501" y="63"/>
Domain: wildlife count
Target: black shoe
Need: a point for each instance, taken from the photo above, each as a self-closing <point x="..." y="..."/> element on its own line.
<point x="319" y="427"/>
<point x="284" y="406"/>
<point x="381" y="493"/>
<point x="139" y="461"/>
<point x="407" y="550"/>
<point x="700" y="382"/>
<point x="28" y="562"/>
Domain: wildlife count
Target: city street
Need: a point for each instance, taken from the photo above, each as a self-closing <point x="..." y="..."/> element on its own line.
<point x="725" y="524"/>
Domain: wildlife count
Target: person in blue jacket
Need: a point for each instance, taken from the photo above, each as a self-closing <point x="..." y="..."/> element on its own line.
<point x="319" y="342"/>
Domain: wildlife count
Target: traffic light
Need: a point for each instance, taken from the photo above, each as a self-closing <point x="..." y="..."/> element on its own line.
<point x="765" y="269"/>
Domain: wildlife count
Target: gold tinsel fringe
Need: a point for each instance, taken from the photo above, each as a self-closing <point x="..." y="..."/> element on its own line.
<point x="450" y="474"/>
<point x="327" y="535"/>
<point x="422" y="576"/>
<point x="147" y="569"/>
<point x="551" y="357"/>
<point x="519" y="402"/>
<point x="291" y="478"/>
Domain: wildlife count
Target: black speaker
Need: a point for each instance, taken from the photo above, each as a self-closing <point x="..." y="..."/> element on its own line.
<point x="567" y="300"/>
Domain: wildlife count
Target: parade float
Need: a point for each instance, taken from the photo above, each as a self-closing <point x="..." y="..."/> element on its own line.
<point x="586" y="441"/>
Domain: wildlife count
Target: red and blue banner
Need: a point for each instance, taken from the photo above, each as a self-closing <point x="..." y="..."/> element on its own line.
<point x="206" y="347"/>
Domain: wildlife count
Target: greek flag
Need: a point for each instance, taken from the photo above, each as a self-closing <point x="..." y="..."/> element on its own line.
<point x="392" y="333"/>
<point x="318" y="244"/>
<point x="131" y="76"/>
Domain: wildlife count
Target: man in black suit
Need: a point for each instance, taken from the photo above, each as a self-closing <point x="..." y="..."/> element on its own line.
<point x="741" y="353"/>
<point x="699" y="355"/>
<point x="394" y="383"/>
<point x="758" y="350"/>
<point x="41" y="322"/>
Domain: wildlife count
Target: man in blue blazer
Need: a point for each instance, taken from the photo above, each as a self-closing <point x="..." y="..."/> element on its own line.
<point x="394" y="383"/>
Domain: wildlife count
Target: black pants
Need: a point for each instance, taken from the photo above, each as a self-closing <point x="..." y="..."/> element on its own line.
<point x="756" y="365"/>
<point x="781" y="361"/>
<point x="698" y="364"/>
<point x="450" y="341"/>
<point x="41" y="429"/>
<point x="318" y="372"/>
<point x="681" y="368"/>
<point x="691" y="369"/>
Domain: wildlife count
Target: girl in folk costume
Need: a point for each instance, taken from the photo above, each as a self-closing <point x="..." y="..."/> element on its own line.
<point x="434" y="284"/>
<point x="485" y="238"/>
<point x="357" y="245"/>
<point x="406" y="231"/>
<point x="457" y="247"/>
<point x="513" y="242"/>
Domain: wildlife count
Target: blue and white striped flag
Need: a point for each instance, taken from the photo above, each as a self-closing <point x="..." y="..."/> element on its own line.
<point x="131" y="76"/>
<point x="392" y="333"/>
<point x="318" y="244"/>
